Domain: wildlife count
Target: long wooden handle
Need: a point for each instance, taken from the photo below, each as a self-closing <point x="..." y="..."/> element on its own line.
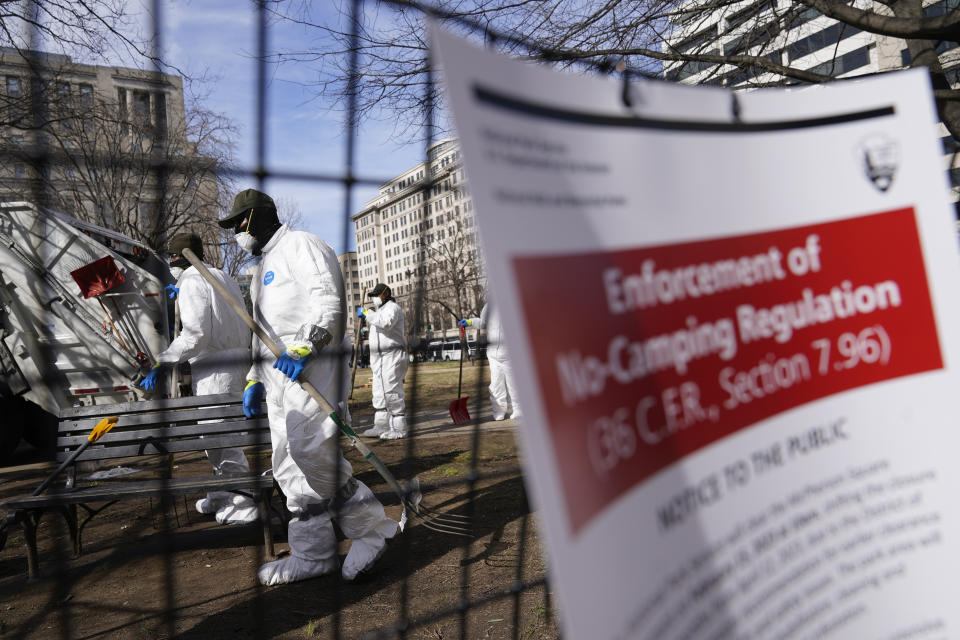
<point x="309" y="388"/>
<point x="357" y="345"/>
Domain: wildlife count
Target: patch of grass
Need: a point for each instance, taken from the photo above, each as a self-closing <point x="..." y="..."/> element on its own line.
<point x="458" y="466"/>
<point x="148" y="629"/>
<point x="449" y="471"/>
<point x="312" y="629"/>
<point x="435" y="388"/>
<point x="539" y="613"/>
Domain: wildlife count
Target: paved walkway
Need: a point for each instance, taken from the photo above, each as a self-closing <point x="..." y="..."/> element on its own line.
<point x="440" y="424"/>
<point x="435" y="423"/>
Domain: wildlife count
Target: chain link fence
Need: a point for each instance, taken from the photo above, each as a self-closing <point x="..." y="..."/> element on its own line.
<point x="146" y="573"/>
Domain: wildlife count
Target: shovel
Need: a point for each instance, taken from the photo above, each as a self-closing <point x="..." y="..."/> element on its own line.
<point x="97" y="278"/>
<point x="410" y="495"/>
<point x="458" y="408"/>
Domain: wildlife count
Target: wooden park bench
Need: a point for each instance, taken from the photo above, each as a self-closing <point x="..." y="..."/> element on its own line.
<point x="146" y="428"/>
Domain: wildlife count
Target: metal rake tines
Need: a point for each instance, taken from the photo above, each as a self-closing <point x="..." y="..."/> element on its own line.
<point x="451" y="523"/>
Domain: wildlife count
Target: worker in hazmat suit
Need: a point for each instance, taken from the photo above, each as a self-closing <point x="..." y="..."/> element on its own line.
<point x="388" y="363"/>
<point x="503" y="395"/>
<point x="217" y="344"/>
<point x="298" y="299"/>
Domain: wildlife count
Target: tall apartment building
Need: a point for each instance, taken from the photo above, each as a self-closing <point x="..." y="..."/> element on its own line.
<point x="87" y="140"/>
<point x="418" y="235"/>
<point x="791" y="34"/>
<point x="351" y="285"/>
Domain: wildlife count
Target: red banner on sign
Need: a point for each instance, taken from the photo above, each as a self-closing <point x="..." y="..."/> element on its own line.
<point x="644" y="356"/>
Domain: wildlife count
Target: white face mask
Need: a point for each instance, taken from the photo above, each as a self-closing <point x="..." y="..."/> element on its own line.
<point x="377" y="303"/>
<point x="246" y="241"/>
<point x="176" y="272"/>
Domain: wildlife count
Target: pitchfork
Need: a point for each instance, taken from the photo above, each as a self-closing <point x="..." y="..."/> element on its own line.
<point x="410" y="495"/>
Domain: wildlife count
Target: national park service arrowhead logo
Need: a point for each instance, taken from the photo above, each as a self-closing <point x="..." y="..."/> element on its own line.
<point x="880" y="156"/>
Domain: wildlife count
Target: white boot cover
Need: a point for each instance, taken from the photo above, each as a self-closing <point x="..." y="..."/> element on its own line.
<point x="214" y="501"/>
<point x="240" y="510"/>
<point x="294" y="569"/>
<point x="398" y="428"/>
<point x="363" y="520"/>
<point x="381" y="424"/>
<point x="313" y="551"/>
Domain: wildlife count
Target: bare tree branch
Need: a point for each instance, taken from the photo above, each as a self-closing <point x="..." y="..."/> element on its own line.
<point x="598" y="34"/>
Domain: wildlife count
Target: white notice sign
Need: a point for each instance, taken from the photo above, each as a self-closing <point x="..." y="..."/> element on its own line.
<point x="736" y="346"/>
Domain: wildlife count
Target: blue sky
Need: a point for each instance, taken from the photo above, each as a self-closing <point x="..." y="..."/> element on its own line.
<point x="219" y="37"/>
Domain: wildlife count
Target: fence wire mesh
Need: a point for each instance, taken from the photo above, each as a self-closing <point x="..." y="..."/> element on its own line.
<point x="145" y="569"/>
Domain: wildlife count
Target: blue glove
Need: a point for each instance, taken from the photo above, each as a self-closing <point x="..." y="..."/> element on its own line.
<point x="361" y="313"/>
<point x="150" y="382"/>
<point x="174" y="291"/>
<point x="252" y="397"/>
<point x="464" y="323"/>
<point x="292" y="362"/>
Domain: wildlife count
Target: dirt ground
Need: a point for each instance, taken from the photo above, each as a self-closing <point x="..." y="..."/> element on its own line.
<point x="146" y="575"/>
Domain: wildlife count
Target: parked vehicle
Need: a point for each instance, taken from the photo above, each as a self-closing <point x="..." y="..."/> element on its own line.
<point x="451" y="349"/>
<point x="435" y="350"/>
<point x="71" y="332"/>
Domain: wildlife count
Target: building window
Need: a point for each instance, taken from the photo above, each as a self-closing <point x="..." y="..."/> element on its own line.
<point x="742" y="16"/>
<point x="14" y="87"/>
<point x="19" y="170"/>
<point x="847" y="62"/>
<point x="86" y="95"/>
<point x="696" y="42"/>
<point x="86" y="102"/>
<point x="140" y="108"/>
<point x="816" y="41"/>
<point x="160" y="113"/>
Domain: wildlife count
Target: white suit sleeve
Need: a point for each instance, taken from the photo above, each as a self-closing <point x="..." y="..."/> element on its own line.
<point x="480" y="322"/>
<point x="196" y="319"/>
<point x="316" y="266"/>
<point x="386" y="317"/>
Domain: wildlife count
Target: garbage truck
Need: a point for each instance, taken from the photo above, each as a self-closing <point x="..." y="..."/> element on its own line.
<point x="82" y="319"/>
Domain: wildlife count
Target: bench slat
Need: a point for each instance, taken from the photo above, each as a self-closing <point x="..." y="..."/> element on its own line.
<point x="120" y="436"/>
<point x="142" y="489"/>
<point x="159" y="417"/>
<point x="172" y="446"/>
<point x="103" y="410"/>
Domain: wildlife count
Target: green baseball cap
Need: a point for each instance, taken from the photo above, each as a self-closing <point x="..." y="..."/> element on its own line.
<point x="183" y="241"/>
<point x="244" y="202"/>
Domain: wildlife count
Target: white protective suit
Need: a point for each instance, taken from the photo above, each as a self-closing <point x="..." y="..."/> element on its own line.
<point x="388" y="363"/>
<point x="503" y="396"/>
<point x="297" y="290"/>
<point x="216" y="342"/>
